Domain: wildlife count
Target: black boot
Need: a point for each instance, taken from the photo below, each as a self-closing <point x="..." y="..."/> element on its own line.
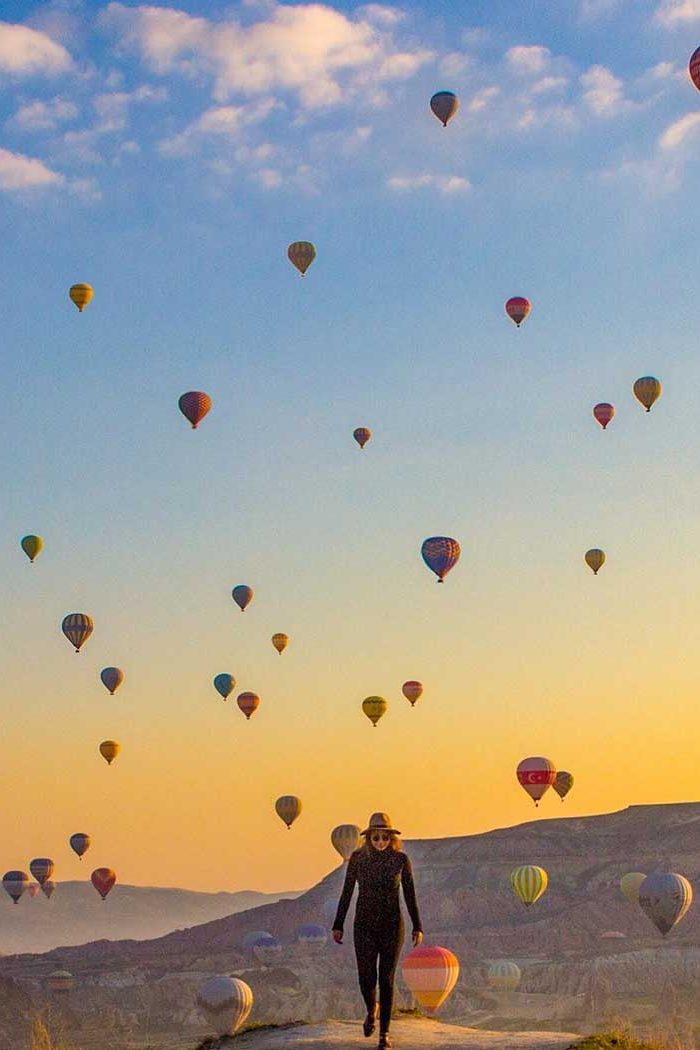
<point x="385" y="1042"/>
<point x="370" y="1022"/>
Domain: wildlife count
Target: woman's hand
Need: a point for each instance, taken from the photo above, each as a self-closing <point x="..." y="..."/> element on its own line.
<point x="338" y="936"/>
<point x="417" y="937"/>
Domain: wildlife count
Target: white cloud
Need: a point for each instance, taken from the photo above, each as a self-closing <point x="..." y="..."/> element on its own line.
<point x="223" y="122"/>
<point x="305" y="48"/>
<point x="672" y="13"/>
<point x="380" y="14"/>
<point x="529" y="60"/>
<point x="444" y="183"/>
<point x="44" y="116"/>
<point x="603" y="91"/>
<point x="269" y="178"/>
<point x="547" y="84"/>
<point x="112" y="107"/>
<point x="482" y="98"/>
<point x="18" y="172"/>
<point x="676" y="133"/>
<point x="25" y="51"/>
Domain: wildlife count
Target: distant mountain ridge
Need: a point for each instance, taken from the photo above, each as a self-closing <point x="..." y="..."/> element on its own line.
<point x="75" y="914"/>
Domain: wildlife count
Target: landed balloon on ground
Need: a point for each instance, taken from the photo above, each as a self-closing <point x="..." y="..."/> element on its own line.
<point x="647" y="390"/>
<point x="242" y="595"/>
<point x="15" y="883"/>
<point x="563" y="783"/>
<point x="267" y="950"/>
<point x="375" y="707"/>
<point x="226" y="1001"/>
<point x="32" y="546"/>
<point x="103" y="879"/>
<point x="194" y="405"/>
<point x="630" y="883"/>
<point x="536" y="775"/>
<point x="42" y="869"/>
<point x="362" y="435"/>
<point x="224" y="684"/>
<point x="412" y="691"/>
<point x="528" y="883"/>
<point x="112" y="678"/>
<point x="504" y="975"/>
<point x="280" y="642"/>
<point x="595" y="559"/>
<point x="81" y="295"/>
<point x="345" y="839"/>
<point x="603" y="413"/>
<point x="517" y="309"/>
<point x="80" y="843"/>
<point x="440" y="554"/>
<point x="288" y="808"/>
<point x="109" y="749"/>
<point x="431" y="973"/>
<point x="255" y="935"/>
<point x="665" y="897"/>
<point x="248" y="703"/>
<point x="60" y="981"/>
<point x="312" y="937"/>
<point x="301" y="254"/>
<point x="444" y="105"/>
<point x="77" y="628"/>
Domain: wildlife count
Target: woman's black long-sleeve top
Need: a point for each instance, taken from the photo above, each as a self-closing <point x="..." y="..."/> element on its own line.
<point x="378" y="873"/>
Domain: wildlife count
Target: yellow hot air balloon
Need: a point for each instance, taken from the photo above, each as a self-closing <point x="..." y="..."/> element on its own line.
<point x="630" y="883"/>
<point x="647" y="390"/>
<point x="528" y="883"/>
<point x="280" y="642"/>
<point x="288" y="808"/>
<point x="109" y="749"/>
<point x="595" y="559"/>
<point x="32" y="546"/>
<point x="81" y="294"/>
<point x="374" y="707"/>
<point x="346" y="839"/>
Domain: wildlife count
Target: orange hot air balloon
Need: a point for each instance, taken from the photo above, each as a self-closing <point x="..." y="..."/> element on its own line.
<point x="301" y="254"/>
<point x="81" y="294"/>
<point x="280" y="642"/>
<point x="536" y="775"/>
<point x="412" y="691"/>
<point x="647" y="390"/>
<point x="109" y="749"/>
<point x="517" y="309"/>
<point x="603" y="413"/>
<point x="194" y="406"/>
<point x="431" y="973"/>
<point x="362" y="435"/>
<point x="248" y="703"/>
<point x="103" y="879"/>
<point x="694" y="67"/>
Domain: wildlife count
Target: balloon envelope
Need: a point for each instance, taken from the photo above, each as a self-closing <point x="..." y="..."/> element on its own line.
<point x="630" y="883"/>
<point x="112" y="678"/>
<point x="431" y="973"/>
<point x="32" y="546"/>
<point x="595" y="559"/>
<point x="603" y="413"/>
<point x="109" y="749"/>
<point x="227" y="1002"/>
<point x="665" y="897"/>
<point x="248" y="703"/>
<point x="194" y="405"/>
<point x="15" y="883"/>
<point x="444" y="105"/>
<point x="79" y="843"/>
<point x="345" y="839"/>
<point x="563" y="783"/>
<point x="60" y="981"/>
<point x="312" y="936"/>
<point x="528" y="883"/>
<point x="536" y="775"/>
<point x="267" y="950"/>
<point x="504" y="975"/>
<point x="288" y="808"/>
<point x="375" y="707"/>
<point x="49" y="888"/>
<point x="412" y="691"/>
<point x="280" y="642"/>
<point x="224" y="684"/>
<point x="518" y="308"/>
<point x="81" y="295"/>
<point x="103" y="879"/>
<point x="362" y="435"/>
<point x="440" y="554"/>
<point x="301" y="254"/>
<point x="647" y="390"/>
<point x="694" y="67"/>
<point x="255" y="935"/>
<point x="242" y="595"/>
<point x="42" y="869"/>
<point x="77" y="628"/>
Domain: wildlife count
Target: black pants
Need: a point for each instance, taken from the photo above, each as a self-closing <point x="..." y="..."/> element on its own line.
<point x="378" y="942"/>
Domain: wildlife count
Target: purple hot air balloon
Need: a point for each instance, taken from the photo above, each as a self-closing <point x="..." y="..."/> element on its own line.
<point x="112" y="678"/>
<point x="440" y="554"/>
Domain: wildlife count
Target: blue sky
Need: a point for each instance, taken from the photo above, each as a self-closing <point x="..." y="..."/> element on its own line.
<point x="168" y="155"/>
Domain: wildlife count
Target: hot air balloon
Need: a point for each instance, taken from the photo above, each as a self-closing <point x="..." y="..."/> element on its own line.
<point x="109" y="749"/>
<point x="112" y="678"/>
<point x="444" y="105"/>
<point x="267" y="950"/>
<point x="255" y="935"/>
<point x="563" y="783"/>
<point x="32" y="546"/>
<point x="440" y="554"/>
<point x="504" y="975"/>
<point x="517" y="309"/>
<point x="103" y="879"/>
<point x="301" y="254"/>
<point x="224" y="684"/>
<point x="15" y="883"/>
<point x="280" y="642"/>
<point x="362" y="435"/>
<point x="345" y="839"/>
<point x="528" y="883"/>
<point x="33" y="889"/>
<point x="81" y="295"/>
<point x="630" y="883"/>
<point x="536" y="775"/>
<point x="194" y="405"/>
<point x="60" y="982"/>
<point x="77" y="628"/>
<point x="226" y="1001"/>
<point x="288" y="808"/>
<point x="248" y="703"/>
<point x="412" y="691"/>
<point x="49" y="888"/>
<point x="431" y="973"/>
<point x="80" y="843"/>
<point x="312" y="937"/>
<point x="595" y="559"/>
<point x="694" y="67"/>
<point x="242" y="595"/>
<point x="603" y="413"/>
<point x="42" y="869"/>
<point x="647" y="390"/>
<point x="665" y="897"/>
<point x="375" y="707"/>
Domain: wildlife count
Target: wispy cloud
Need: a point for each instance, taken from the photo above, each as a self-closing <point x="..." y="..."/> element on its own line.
<point x="603" y="92"/>
<point x="112" y="107"/>
<point x="18" y="172"/>
<point x="28" y="52"/>
<point x="677" y="133"/>
<point x="44" y="116"/>
<point x="529" y="60"/>
<point x="218" y="122"/>
<point x="672" y="13"/>
<point x="443" y="183"/>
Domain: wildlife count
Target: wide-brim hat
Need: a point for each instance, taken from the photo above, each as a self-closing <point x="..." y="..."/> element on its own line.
<point x="380" y="822"/>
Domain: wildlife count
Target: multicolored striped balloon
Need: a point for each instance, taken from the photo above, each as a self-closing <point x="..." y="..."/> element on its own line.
<point x="412" y="691"/>
<point x="529" y="883"/>
<point x="536" y="775"/>
<point x="194" y="405"/>
<point x="563" y="783"/>
<point x="248" y="703"/>
<point x="345" y="839"/>
<point x="80" y="843"/>
<point x="226" y="1001"/>
<point x="288" y="808"/>
<point x="647" y="390"/>
<point x="375" y="707"/>
<point x="301" y="254"/>
<point x="431" y="973"/>
<point x="32" y="546"/>
<point x="444" y="105"/>
<point x="15" y="883"/>
<point x="517" y="309"/>
<point x="280" y="642"/>
<point x="77" y="628"/>
<point x="81" y="295"/>
<point x="440" y="554"/>
<point x="312" y="937"/>
<point x="103" y="879"/>
<point x="112" y="678"/>
<point x="42" y="869"/>
<point x="630" y="883"/>
<point x="60" y="982"/>
<point x="694" y="67"/>
<point x="362" y="435"/>
<point x="504" y="975"/>
<point x="603" y="413"/>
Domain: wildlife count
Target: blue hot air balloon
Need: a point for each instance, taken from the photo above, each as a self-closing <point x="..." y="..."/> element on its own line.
<point x="224" y="684"/>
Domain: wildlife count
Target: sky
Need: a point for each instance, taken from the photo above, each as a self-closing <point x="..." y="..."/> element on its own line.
<point x="168" y="155"/>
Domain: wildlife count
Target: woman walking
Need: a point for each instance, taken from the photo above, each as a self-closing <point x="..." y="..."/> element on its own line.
<point x="379" y="868"/>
